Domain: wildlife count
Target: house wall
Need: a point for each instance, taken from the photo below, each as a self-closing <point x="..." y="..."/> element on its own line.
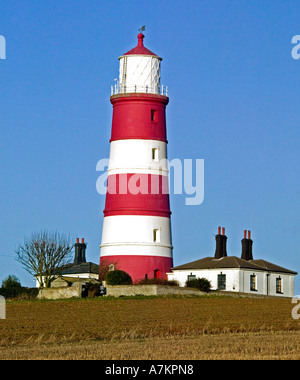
<point x="266" y="283"/>
<point x="232" y="277"/>
<point x="238" y="280"/>
<point x="287" y="284"/>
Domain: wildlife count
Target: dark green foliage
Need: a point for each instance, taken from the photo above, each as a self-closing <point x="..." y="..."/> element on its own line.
<point x="28" y="293"/>
<point x="12" y="289"/>
<point x="118" y="277"/>
<point x="200" y="283"/>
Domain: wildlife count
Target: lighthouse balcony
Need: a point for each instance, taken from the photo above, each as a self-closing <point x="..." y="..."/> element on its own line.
<point x="146" y="89"/>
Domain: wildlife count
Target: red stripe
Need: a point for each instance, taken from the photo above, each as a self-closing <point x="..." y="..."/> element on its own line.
<point x="139" y="266"/>
<point x="133" y="114"/>
<point x="137" y="194"/>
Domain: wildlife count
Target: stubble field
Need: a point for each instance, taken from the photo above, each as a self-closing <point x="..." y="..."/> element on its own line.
<point x="149" y="328"/>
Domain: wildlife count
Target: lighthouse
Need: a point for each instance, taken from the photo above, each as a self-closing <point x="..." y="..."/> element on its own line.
<point x="136" y="236"/>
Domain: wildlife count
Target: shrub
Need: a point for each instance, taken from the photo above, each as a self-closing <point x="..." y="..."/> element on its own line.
<point x="200" y="283"/>
<point x="118" y="277"/>
<point x="29" y="293"/>
<point x="11" y="287"/>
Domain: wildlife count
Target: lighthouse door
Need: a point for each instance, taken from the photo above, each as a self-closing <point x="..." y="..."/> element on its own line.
<point x="157" y="273"/>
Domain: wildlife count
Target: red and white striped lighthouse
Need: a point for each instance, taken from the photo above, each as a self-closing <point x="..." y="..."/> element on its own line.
<point x="136" y="234"/>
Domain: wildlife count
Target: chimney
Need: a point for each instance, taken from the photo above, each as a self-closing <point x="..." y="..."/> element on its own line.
<point x="250" y="243"/>
<point x="247" y="246"/>
<point x="221" y="243"/>
<point x="80" y="249"/>
<point x="224" y="242"/>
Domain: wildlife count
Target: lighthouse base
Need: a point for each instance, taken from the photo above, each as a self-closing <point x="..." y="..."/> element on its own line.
<point x="140" y="267"/>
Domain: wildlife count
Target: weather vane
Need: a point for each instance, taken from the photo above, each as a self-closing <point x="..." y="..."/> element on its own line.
<point x="142" y="28"/>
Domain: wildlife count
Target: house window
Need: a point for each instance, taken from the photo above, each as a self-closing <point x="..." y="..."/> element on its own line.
<point x="253" y="282"/>
<point x="155" y="154"/>
<point x="279" y="285"/>
<point x="191" y="277"/>
<point x="221" y="281"/>
<point x="156" y="235"/>
<point x="154" y="115"/>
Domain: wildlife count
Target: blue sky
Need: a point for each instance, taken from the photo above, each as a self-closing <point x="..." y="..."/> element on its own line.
<point x="234" y="99"/>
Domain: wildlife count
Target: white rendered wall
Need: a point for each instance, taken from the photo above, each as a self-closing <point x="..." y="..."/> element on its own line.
<point x="136" y="236"/>
<point x="245" y="281"/>
<point x="238" y="280"/>
<point x="140" y="73"/>
<point x="135" y="156"/>
<point x="232" y="277"/>
<point x="287" y="284"/>
<point x="266" y="283"/>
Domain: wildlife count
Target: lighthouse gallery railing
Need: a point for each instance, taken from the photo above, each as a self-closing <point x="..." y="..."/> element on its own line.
<point x="123" y="89"/>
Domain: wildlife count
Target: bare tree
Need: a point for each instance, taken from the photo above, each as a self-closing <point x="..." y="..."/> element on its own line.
<point x="43" y="254"/>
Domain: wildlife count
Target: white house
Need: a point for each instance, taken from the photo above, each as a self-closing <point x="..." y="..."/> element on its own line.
<point x="79" y="269"/>
<point x="234" y="274"/>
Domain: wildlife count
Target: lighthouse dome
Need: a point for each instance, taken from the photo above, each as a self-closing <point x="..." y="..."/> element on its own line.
<point x="139" y="71"/>
<point x="140" y="49"/>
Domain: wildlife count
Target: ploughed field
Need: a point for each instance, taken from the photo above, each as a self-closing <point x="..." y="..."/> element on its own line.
<point x="170" y="328"/>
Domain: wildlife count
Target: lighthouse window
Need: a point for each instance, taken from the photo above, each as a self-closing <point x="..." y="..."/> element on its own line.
<point x="155" y="154"/>
<point x="156" y="235"/>
<point x="154" y="115"/>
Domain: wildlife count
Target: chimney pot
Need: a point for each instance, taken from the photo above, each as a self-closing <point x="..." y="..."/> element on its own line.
<point x="82" y="240"/>
<point x="219" y="230"/>
<point x="249" y="234"/>
<point x="77" y="240"/>
<point x="223" y="231"/>
<point x="245" y="234"/>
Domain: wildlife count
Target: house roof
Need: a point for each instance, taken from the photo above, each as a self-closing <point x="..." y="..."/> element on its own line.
<point x="77" y="269"/>
<point x="65" y="279"/>
<point x="232" y="262"/>
<point x="272" y="267"/>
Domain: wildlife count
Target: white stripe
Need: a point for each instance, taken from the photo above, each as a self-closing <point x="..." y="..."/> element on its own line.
<point x="134" y="235"/>
<point x="138" y="156"/>
<point x="136" y="250"/>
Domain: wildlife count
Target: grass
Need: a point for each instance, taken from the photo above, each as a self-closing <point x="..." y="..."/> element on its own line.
<point x="150" y="328"/>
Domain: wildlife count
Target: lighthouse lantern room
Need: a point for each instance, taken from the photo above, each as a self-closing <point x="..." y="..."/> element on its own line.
<point x="136" y="236"/>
